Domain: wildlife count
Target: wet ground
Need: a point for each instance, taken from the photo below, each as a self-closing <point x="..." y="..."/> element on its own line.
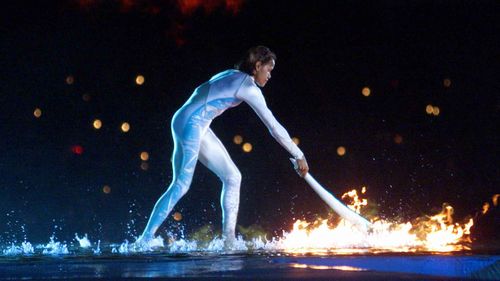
<point x="256" y="266"/>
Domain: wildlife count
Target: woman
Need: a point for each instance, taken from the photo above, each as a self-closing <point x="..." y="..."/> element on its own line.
<point x="194" y="140"/>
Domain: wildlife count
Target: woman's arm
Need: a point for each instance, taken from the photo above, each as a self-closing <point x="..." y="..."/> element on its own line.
<point x="253" y="97"/>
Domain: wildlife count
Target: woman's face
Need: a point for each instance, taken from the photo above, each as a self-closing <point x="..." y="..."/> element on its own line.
<point x="262" y="72"/>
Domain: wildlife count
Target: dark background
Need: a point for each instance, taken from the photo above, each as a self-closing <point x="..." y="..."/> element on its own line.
<point x="327" y="52"/>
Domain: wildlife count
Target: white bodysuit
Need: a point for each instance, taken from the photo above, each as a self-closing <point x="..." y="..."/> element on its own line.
<point x="193" y="140"/>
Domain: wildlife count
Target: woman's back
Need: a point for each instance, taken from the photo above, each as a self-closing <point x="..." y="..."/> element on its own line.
<point x="213" y="97"/>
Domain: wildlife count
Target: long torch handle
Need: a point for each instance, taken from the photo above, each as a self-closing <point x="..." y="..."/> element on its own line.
<point x="337" y="206"/>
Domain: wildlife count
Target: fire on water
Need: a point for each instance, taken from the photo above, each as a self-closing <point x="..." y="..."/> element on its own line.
<point x="437" y="233"/>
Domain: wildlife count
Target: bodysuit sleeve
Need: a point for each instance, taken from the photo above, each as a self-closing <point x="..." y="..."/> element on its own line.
<point x="252" y="95"/>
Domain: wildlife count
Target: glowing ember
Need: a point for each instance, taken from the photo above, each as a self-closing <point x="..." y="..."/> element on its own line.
<point x="436" y="233"/>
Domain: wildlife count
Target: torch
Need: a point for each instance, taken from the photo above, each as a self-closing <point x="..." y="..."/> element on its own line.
<point x="338" y="207"/>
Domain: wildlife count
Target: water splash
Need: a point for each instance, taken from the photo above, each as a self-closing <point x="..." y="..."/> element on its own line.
<point x="97" y="251"/>
<point x="439" y="233"/>
<point x="25" y="249"/>
<point x="216" y="245"/>
<point x="84" y="241"/>
<point x="55" y="248"/>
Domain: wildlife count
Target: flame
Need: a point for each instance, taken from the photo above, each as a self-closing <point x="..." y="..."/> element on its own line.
<point x="356" y="202"/>
<point x="437" y="233"/>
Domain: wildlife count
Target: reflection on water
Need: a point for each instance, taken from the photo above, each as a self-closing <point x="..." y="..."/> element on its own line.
<point x="320" y="267"/>
<point x="182" y="267"/>
<point x="272" y="264"/>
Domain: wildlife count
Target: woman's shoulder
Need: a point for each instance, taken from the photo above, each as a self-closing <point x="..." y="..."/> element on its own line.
<point x="226" y="73"/>
<point x="248" y="89"/>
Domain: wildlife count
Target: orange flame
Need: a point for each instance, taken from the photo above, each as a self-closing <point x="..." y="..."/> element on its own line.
<point x="436" y="233"/>
<point x="356" y="202"/>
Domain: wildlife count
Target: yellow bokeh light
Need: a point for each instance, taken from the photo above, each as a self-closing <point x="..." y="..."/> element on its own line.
<point x="247" y="147"/>
<point x="429" y="109"/>
<point x="447" y="83"/>
<point x="486" y="207"/>
<point x="341" y="151"/>
<point x="139" y="80"/>
<point x="97" y="124"/>
<point x="238" y="139"/>
<point x="106" y="189"/>
<point x="398" y="139"/>
<point x="494" y="199"/>
<point x="296" y="140"/>
<point x="177" y="216"/>
<point x="125" y="127"/>
<point x="70" y="79"/>
<point x="366" y="91"/>
<point x="144" y="156"/>
<point x="436" y="111"/>
<point x="37" y="112"/>
<point x="144" y="166"/>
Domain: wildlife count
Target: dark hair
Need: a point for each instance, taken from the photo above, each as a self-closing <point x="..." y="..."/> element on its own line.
<point x="252" y="56"/>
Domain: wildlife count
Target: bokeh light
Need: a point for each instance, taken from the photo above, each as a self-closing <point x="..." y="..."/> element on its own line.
<point x="398" y="139"/>
<point x="341" y="151"/>
<point x="106" y="189"/>
<point x="366" y="91"/>
<point x="37" y="113"/>
<point x="125" y="127"/>
<point x="436" y="111"/>
<point x="86" y="97"/>
<point x="429" y="109"/>
<point x="144" y="156"/>
<point x="77" y="149"/>
<point x="296" y="140"/>
<point x="247" y="147"/>
<point x="144" y="166"/>
<point x="139" y="80"/>
<point x="97" y="124"/>
<point x="70" y="79"/>
<point x="238" y="139"/>
<point x="447" y="83"/>
<point x="177" y="216"/>
<point x="486" y="207"/>
<point x="494" y="199"/>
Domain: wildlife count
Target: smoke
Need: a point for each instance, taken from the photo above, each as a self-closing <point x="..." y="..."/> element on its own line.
<point x="177" y="13"/>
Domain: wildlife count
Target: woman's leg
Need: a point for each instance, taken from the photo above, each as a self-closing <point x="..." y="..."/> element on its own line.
<point x="184" y="160"/>
<point x="214" y="156"/>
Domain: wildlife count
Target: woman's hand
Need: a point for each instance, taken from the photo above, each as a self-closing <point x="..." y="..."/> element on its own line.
<point x="302" y="168"/>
